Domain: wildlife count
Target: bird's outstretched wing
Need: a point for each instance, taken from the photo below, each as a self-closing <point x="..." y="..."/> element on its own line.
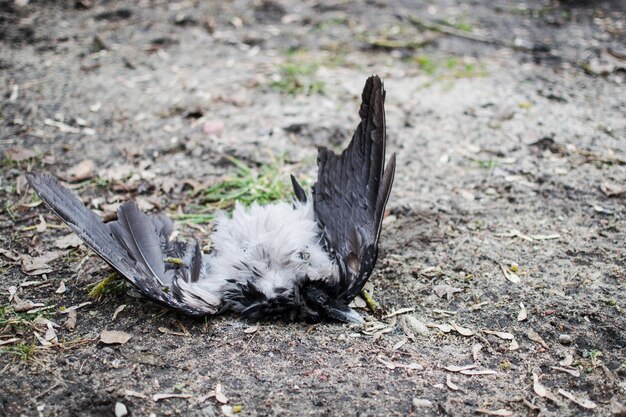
<point x="136" y="245"/>
<point x="352" y="191"/>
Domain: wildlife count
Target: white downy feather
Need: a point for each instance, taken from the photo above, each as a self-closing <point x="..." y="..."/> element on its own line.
<point x="275" y="245"/>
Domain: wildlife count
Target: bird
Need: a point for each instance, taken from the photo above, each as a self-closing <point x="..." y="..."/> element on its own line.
<point x="303" y="260"/>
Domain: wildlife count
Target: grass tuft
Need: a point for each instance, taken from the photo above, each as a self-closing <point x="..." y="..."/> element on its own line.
<point x="297" y="78"/>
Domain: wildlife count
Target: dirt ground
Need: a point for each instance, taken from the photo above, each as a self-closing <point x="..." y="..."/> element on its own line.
<point x="507" y="225"/>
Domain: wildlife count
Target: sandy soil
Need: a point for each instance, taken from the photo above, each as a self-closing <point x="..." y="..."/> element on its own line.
<point x="509" y="124"/>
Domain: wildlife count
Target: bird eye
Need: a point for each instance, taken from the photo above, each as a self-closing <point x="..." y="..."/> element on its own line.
<point x="305" y="256"/>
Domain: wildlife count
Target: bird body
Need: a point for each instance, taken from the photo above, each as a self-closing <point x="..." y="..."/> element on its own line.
<point x="305" y="260"/>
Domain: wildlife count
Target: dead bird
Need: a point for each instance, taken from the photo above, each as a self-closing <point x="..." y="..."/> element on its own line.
<point x="301" y="261"/>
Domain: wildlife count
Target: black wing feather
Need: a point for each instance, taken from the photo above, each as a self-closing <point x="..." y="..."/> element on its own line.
<point x="351" y="193"/>
<point x="135" y="245"/>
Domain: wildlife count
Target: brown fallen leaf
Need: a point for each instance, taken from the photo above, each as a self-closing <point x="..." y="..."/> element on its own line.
<point x="70" y="323"/>
<point x="83" y="170"/>
<point x="500" y="412"/>
<point x="612" y="190"/>
<point x="573" y="372"/>
<point x="478" y="372"/>
<point x="445" y="290"/>
<point x="476" y="348"/>
<point x="217" y="393"/>
<point x="523" y="314"/>
<point x="568" y="360"/>
<point x="10" y="255"/>
<point x="68" y="241"/>
<point x="510" y="275"/>
<point x="159" y="397"/>
<point x="446" y="328"/>
<point x="19" y="154"/>
<point x="9" y="341"/>
<point x="541" y="391"/>
<point x="584" y="403"/>
<point x="42" y="226"/>
<point x="118" y="311"/>
<point x="456" y="368"/>
<point x="165" y="330"/>
<point x="412" y="326"/>
<point x="463" y="331"/>
<point x="111" y="337"/>
<point x="251" y="329"/>
<point x="39" y="265"/>
<point x="534" y="336"/>
<point x="450" y="384"/>
<point x="501" y="335"/>
<point x="21" y="306"/>
<point x="61" y="288"/>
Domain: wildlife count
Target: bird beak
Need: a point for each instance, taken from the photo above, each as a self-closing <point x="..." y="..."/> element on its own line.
<point x="344" y="313"/>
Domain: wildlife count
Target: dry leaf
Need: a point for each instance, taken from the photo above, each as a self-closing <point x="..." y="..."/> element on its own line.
<point x="445" y="290"/>
<point x="165" y="330"/>
<point x="478" y="372"/>
<point x="551" y="236"/>
<point x="501" y="335"/>
<point x="513" y="345"/>
<point x="10" y="255"/>
<point x="446" y="328"/>
<point x="131" y="393"/>
<point x="61" y="288"/>
<point x="464" y="331"/>
<point x="510" y="275"/>
<point x="389" y="364"/>
<point x="411" y="326"/>
<point x="39" y="265"/>
<point x="110" y="337"/>
<point x="251" y="329"/>
<point x="76" y="307"/>
<point x="42" y="340"/>
<point x="399" y="344"/>
<point x="217" y="393"/>
<point x="25" y="305"/>
<point x="68" y="241"/>
<point x="476" y="348"/>
<point x="571" y="371"/>
<point x="159" y="397"/>
<point x="421" y="403"/>
<point x="523" y="314"/>
<point x="19" y="154"/>
<point x="541" y="391"/>
<point x="455" y="368"/>
<point x="612" y="190"/>
<point x="568" y="360"/>
<point x="399" y="312"/>
<point x="8" y="341"/>
<point x="588" y="404"/>
<point x="500" y="412"/>
<point x="82" y="171"/>
<point x="118" y="311"/>
<point x="70" y="323"/>
<point x="358" y="302"/>
<point x="51" y="335"/>
<point x="42" y="226"/>
<point x="450" y="384"/>
<point x="534" y="336"/>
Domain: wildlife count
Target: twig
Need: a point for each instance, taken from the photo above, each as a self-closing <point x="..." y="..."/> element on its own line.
<point x="96" y="291"/>
<point x="435" y="27"/>
<point x="369" y="300"/>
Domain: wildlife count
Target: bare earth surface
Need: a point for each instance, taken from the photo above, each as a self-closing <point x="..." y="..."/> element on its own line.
<point x="509" y="122"/>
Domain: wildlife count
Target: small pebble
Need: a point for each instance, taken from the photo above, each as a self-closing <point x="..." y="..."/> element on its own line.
<point x="565" y="339"/>
<point x="120" y="410"/>
<point x="419" y="403"/>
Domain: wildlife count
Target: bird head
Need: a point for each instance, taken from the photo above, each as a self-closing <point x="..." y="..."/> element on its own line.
<point x="320" y="303"/>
